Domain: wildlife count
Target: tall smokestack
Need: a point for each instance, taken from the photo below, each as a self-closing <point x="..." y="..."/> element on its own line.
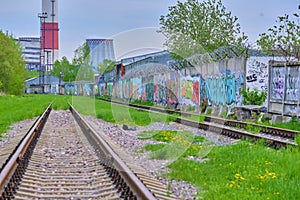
<point x="50" y="33"/>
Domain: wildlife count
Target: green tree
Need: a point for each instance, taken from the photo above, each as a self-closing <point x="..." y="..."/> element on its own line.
<point x="106" y="65"/>
<point x="82" y="60"/>
<point x="64" y="66"/>
<point x="283" y="38"/>
<point x="81" y="55"/>
<point x="195" y="27"/>
<point x="12" y="65"/>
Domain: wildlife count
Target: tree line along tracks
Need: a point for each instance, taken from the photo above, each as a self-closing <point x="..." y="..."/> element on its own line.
<point x="62" y="157"/>
<point x="274" y="137"/>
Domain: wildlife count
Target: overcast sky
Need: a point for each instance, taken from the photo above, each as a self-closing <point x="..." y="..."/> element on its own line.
<point x="128" y="20"/>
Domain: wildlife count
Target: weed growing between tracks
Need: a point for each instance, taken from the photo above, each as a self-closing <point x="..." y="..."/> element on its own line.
<point x="241" y="171"/>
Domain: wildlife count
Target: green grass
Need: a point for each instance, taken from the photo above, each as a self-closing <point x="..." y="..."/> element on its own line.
<point x="18" y="108"/>
<point x="241" y="171"/>
<point x="294" y="124"/>
<point x="60" y="102"/>
<point x="144" y="103"/>
<point x="176" y="144"/>
<point x="252" y="128"/>
<point x="153" y="147"/>
<point x="117" y="113"/>
<point x="196" y="118"/>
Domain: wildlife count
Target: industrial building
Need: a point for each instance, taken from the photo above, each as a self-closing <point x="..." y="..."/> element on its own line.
<point x="31" y="52"/>
<point x="100" y="49"/>
<point x="40" y="53"/>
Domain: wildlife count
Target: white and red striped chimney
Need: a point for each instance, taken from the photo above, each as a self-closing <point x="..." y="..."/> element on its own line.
<point x="50" y="31"/>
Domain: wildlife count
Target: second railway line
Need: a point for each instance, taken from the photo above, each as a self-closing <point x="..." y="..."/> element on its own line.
<point x="275" y="137"/>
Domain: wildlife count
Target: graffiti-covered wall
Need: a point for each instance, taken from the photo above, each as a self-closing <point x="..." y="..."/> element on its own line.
<point x="224" y="89"/>
<point x="257" y="73"/>
<point x="82" y="89"/>
<point x="217" y="84"/>
<point x="284" y="97"/>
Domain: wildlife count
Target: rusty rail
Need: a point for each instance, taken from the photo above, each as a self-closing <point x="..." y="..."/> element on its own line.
<point x="12" y="171"/>
<point x="127" y="182"/>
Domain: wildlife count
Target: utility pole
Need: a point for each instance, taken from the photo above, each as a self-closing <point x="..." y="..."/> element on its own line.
<point x="53" y="15"/>
<point x="42" y="17"/>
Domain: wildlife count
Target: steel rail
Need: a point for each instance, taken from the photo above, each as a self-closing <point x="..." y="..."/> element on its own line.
<point x="235" y="133"/>
<point x="12" y="171"/>
<point x="286" y="133"/>
<point x="289" y="134"/>
<point x="116" y="165"/>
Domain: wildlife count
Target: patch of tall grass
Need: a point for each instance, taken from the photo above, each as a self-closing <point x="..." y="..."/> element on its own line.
<point x="18" y="108"/>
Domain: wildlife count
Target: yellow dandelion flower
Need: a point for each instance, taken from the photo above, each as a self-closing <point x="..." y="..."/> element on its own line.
<point x="237" y="176"/>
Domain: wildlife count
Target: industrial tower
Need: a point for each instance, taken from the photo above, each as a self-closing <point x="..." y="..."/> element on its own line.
<point x="100" y="49"/>
<point x="49" y="34"/>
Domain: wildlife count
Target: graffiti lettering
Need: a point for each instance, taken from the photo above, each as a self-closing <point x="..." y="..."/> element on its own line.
<point x="278" y="83"/>
<point x="251" y="78"/>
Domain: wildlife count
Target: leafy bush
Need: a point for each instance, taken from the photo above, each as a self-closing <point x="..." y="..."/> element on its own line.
<point x="253" y="97"/>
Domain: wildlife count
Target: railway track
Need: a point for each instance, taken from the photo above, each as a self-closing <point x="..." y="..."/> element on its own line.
<point x="274" y="137"/>
<point x="61" y="157"/>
